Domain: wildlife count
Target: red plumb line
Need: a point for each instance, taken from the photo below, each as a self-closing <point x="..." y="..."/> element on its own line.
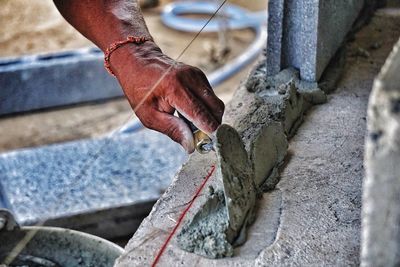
<point x="182" y="216"/>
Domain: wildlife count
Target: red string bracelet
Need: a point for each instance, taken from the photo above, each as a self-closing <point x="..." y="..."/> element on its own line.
<point x="182" y="216"/>
<point x="114" y="46"/>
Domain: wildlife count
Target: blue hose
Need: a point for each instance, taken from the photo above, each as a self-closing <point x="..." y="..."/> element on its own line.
<point x="238" y="18"/>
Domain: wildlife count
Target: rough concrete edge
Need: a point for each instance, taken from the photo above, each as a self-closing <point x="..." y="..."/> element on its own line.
<point x="380" y="231"/>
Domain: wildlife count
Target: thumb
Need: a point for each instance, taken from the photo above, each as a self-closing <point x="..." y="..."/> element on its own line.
<point x="171" y="126"/>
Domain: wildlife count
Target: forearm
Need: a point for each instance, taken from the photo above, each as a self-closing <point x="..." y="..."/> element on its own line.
<point x="104" y="22"/>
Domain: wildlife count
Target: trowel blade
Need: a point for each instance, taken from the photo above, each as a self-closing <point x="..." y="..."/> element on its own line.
<point x="237" y="175"/>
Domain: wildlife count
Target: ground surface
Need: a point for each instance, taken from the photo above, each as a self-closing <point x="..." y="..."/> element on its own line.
<point x="321" y="185"/>
<point x="312" y="218"/>
<point x="36" y="27"/>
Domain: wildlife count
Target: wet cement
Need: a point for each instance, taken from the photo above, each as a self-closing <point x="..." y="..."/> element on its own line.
<point x="266" y="112"/>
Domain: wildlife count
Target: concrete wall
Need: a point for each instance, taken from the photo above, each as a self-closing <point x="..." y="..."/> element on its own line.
<point x="381" y="196"/>
<point x="305" y="34"/>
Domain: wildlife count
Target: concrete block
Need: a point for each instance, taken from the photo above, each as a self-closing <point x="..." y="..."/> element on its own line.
<point x="104" y="186"/>
<point x="381" y="195"/>
<point x="64" y="78"/>
<point x="305" y="34"/>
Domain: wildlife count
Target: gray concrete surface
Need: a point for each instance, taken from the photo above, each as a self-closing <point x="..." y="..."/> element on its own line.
<point x="64" y="78"/>
<point x="306" y="34"/>
<point x="312" y="216"/>
<point x="103" y="186"/>
<point x="381" y="195"/>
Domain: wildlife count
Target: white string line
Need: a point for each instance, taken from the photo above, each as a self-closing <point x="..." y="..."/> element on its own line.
<point x="31" y="233"/>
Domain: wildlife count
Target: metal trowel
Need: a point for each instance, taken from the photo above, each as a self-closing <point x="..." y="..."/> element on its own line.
<point x="233" y="167"/>
<point x="220" y="223"/>
<point x="235" y="170"/>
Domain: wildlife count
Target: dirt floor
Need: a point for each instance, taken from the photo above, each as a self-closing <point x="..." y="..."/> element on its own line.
<point x="36" y="27"/>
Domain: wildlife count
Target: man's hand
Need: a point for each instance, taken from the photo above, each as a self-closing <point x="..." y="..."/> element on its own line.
<point x="156" y="86"/>
<point x="140" y="67"/>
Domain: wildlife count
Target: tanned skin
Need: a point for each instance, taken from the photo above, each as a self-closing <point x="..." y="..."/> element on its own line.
<point x="139" y="67"/>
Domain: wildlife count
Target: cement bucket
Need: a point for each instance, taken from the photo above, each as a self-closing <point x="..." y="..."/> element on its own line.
<point x="58" y="247"/>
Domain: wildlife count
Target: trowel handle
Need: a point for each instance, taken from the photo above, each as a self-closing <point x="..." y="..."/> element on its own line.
<point x="192" y="127"/>
<point x="202" y="141"/>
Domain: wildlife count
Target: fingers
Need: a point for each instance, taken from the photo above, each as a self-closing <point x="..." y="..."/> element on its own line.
<point x="168" y="124"/>
<point x="215" y="104"/>
<point x="210" y="100"/>
<point x="187" y="90"/>
<point x="194" y="110"/>
<point x="198" y="84"/>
